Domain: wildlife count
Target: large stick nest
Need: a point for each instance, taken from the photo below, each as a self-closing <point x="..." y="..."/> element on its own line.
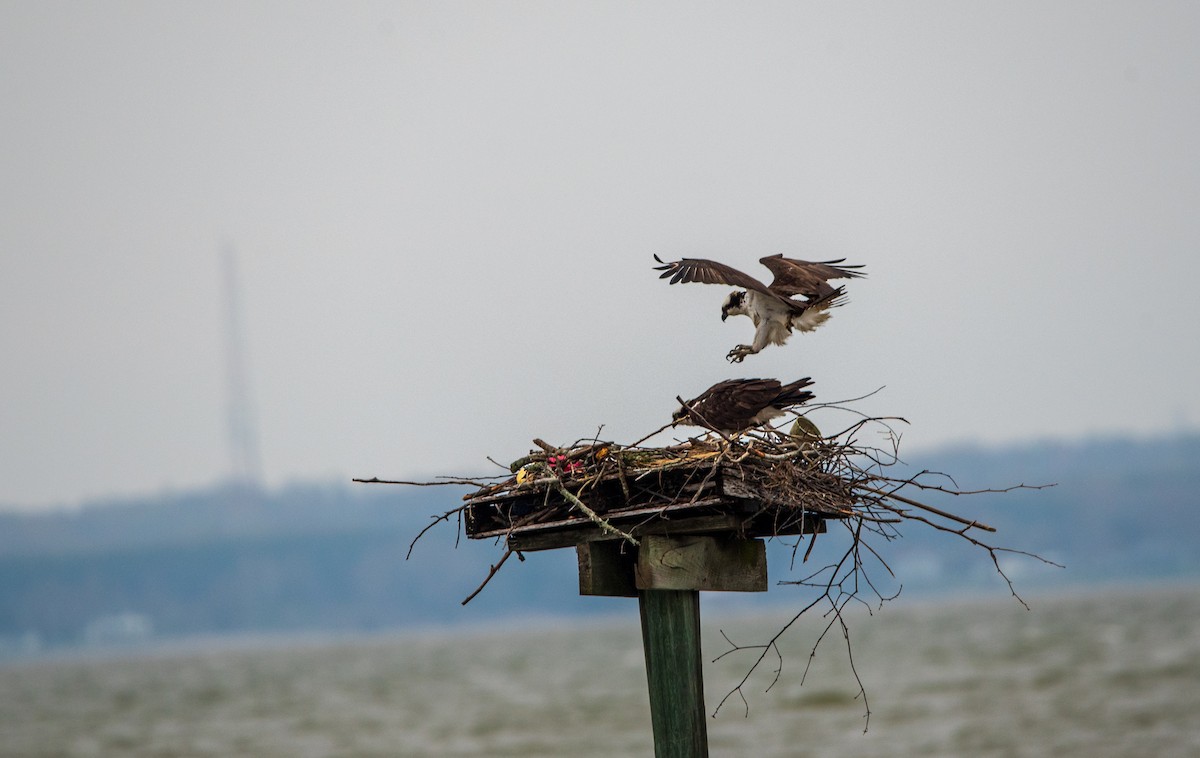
<point x="764" y="482"/>
<point x="772" y="483"/>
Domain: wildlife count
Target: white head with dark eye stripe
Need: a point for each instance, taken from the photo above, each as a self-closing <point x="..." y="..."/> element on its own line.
<point x="734" y="305"/>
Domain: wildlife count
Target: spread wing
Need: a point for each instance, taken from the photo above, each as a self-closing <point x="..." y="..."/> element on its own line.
<point x="807" y="278"/>
<point x="688" y="270"/>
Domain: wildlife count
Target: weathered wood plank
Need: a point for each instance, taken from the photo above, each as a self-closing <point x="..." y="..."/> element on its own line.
<point x="722" y="563"/>
<point x="552" y="536"/>
<point x="664" y="512"/>
<point x="528" y="541"/>
<point x="674" y="672"/>
<point x="606" y="568"/>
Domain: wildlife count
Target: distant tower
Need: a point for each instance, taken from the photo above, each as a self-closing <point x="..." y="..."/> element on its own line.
<point x="243" y="437"/>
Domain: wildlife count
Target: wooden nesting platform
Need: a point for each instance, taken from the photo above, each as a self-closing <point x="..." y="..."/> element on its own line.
<point x="684" y="498"/>
<point x="698" y="518"/>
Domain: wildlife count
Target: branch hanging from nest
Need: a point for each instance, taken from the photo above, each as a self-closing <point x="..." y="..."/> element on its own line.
<point x="833" y="593"/>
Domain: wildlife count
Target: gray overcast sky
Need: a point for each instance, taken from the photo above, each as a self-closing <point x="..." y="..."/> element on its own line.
<point x="445" y="213"/>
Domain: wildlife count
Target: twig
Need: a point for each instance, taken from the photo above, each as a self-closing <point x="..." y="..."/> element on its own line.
<point x="491" y="572"/>
<point x="931" y="509"/>
<point x="595" y="517"/>
<point x="436" y="520"/>
<point x="446" y="482"/>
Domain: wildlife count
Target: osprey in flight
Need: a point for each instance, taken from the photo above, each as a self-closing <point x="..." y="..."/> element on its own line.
<point x="736" y="405"/>
<point x="774" y="313"/>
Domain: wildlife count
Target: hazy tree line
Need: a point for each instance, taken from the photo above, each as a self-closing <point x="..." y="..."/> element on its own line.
<point x="332" y="557"/>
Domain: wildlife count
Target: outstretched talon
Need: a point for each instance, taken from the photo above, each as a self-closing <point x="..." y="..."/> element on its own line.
<point x="739" y="353"/>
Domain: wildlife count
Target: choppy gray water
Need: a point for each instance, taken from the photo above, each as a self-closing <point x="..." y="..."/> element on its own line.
<point x="1113" y="673"/>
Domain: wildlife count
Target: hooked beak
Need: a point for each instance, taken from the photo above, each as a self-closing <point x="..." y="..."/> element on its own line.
<point x="724" y="314"/>
<point x="680" y="412"/>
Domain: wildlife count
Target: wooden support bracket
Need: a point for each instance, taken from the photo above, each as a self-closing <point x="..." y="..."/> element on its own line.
<point x="607" y="568"/>
<point x="722" y="563"/>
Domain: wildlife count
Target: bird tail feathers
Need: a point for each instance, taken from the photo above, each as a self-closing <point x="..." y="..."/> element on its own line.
<point x="835" y="297"/>
<point x="817" y="312"/>
<point x="794" y="393"/>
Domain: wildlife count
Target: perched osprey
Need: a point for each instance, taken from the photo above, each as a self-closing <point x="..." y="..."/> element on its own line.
<point x="774" y="313"/>
<point x="735" y="405"/>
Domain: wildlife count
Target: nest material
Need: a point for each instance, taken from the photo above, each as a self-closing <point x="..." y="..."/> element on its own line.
<point x="754" y="484"/>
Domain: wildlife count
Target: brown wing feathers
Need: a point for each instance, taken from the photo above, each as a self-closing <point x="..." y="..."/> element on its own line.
<point x="807" y="278"/>
<point x="688" y="270"/>
<point x="792" y="276"/>
<point x="794" y="393"/>
<point x="732" y="405"/>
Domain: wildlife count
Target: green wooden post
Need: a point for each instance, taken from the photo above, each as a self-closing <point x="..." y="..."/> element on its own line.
<point x="674" y="671"/>
<point x="666" y="573"/>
